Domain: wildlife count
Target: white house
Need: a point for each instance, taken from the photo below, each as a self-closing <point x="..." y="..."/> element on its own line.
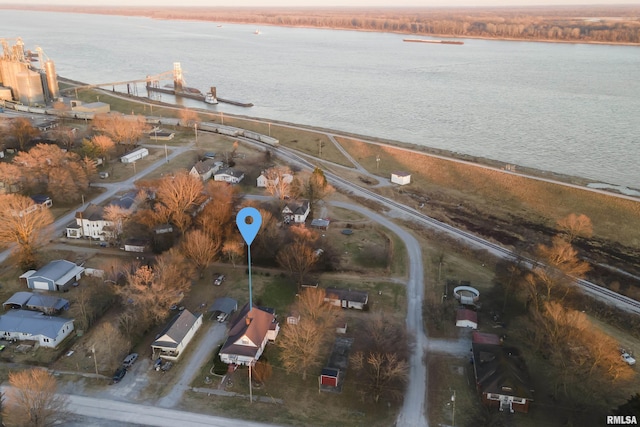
<point x="262" y="181"/>
<point x="90" y="223"/>
<point x="174" y="339"/>
<point x="296" y="212"/>
<point x="229" y="175"/>
<point x="134" y="155"/>
<point x="466" y="318"/>
<point x="402" y="178"/>
<point x="248" y="336"/>
<point x="204" y="169"/>
<point x="56" y="276"/>
<point x="25" y="325"/>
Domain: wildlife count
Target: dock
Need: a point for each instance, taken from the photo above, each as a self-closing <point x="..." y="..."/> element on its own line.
<point x="194" y="94"/>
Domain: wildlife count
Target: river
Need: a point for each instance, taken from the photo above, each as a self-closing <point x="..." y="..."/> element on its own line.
<point x="566" y="108"/>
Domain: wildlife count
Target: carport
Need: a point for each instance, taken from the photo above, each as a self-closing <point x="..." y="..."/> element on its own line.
<point x="223" y="306"/>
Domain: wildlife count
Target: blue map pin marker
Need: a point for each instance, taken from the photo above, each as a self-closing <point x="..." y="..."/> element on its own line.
<point x="249" y="231"/>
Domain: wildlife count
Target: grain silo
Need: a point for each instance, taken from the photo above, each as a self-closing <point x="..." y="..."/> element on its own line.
<point x="52" y="79"/>
<point x="5" y="94"/>
<point x="29" y="89"/>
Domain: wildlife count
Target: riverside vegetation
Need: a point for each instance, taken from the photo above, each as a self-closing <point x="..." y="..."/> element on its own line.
<point x="576" y="24"/>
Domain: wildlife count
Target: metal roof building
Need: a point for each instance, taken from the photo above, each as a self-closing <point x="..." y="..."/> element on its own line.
<point x="38" y="302"/>
<point x="27" y="325"/>
<point x="56" y="276"/>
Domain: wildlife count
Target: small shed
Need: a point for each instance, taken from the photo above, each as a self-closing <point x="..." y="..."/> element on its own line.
<point x="136" y="245"/>
<point x="321" y="223"/>
<point x="329" y="377"/>
<point x="401" y="178"/>
<point x="466" y="318"/>
<point x="347" y="298"/>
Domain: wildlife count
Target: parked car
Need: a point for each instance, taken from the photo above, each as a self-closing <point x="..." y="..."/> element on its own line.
<point x="130" y="360"/>
<point x="218" y="279"/>
<point x="119" y="375"/>
<point x="628" y="359"/>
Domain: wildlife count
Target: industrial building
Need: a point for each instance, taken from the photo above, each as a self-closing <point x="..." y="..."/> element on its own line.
<point x="26" y="77"/>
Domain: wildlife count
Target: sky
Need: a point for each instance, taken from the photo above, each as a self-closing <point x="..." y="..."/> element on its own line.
<point x="320" y="3"/>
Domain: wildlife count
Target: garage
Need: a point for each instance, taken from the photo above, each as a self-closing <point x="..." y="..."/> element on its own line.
<point x="40" y="285"/>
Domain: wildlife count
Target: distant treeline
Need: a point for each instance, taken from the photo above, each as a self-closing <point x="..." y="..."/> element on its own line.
<point x="581" y="24"/>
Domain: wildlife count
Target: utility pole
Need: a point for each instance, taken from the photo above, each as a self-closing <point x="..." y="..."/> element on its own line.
<point x="453" y="405"/>
<point x="195" y="129"/>
<point x="166" y="155"/>
<point x="377" y="161"/>
<point x="95" y="361"/>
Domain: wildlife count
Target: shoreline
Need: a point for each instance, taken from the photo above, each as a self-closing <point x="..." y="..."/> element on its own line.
<point x="146" y="12"/>
<point x="632" y="194"/>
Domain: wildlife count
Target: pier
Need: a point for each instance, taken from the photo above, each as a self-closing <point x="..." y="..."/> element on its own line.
<point x="193" y="94"/>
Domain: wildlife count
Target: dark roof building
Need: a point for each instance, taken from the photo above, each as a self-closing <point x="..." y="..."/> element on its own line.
<point x="502" y="377"/>
<point x="248" y="335"/>
<point x="347" y="298"/>
<point x="176" y="336"/>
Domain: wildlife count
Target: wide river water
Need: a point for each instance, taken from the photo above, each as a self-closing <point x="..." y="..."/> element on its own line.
<point x="567" y="108"/>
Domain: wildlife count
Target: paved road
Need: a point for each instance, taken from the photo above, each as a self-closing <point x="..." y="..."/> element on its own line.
<point x="111" y="189"/>
<point x="102" y="412"/>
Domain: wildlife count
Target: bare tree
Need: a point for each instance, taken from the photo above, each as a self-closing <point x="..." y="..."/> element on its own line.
<point x="200" y="249"/>
<point x="109" y="346"/>
<point x="23" y="131"/>
<point x="150" y="292"/>
<point x="217" y="215"/>
<point x="10" y="177"/>
<point x="32" y="400"/>
<point x="181" y="195"/>
<point x="554" y="277"/>
<point x="233" y="250"/>
<point x="587" y="358"/>
<point x="120" y="128"/>
<point x="382" y="365"/>
<point x="63" y="174"/>
<point x="82" y="309"/>
<point x="119" y="217"/>
<point x="573" y="226"/>
<point x="188" y="117"/>
<point x="24" y="226"/>
<point x="297" y="258"/>
<point x="302" y="346"/>
<point x="279" y="180"/>
<point x="385" y="372"/>
<point x="100" y="146"/>
<point x="317" y="188"/>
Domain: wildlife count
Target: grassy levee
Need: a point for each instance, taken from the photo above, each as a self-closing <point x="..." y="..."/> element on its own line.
<point x="504" y="195"/>
<point x="309" y="142"/>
